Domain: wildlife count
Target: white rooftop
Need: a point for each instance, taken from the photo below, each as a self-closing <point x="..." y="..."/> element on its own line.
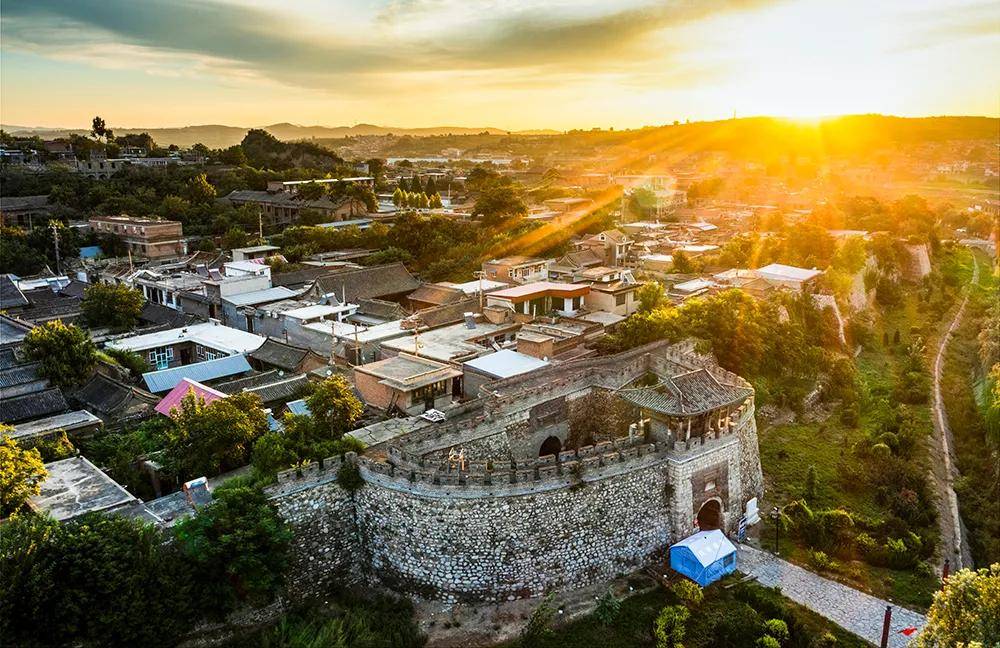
<point x="209" y="334"/>
<point x="784" y="272"/>
<point x="317" y="310"/>
<point x="261" y="296"/>
<point x="708" y="546"/>
<point x="695" y="249"/>
<point x="506" y="363"/>
<point x="692" y="285"/>
<point x="473" y="287"/>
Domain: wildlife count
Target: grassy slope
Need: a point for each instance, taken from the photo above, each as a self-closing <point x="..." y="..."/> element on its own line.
<point x="787" y="451"/>
<point x="978" y="493"/>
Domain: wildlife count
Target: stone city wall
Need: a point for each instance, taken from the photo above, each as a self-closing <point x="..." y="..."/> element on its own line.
<point x="494" y="531"/>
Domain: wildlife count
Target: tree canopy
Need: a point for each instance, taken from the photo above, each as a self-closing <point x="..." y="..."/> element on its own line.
<point x="66" y="353"/>
<point x="21" y="473"/>
<point x="117" y="306"/>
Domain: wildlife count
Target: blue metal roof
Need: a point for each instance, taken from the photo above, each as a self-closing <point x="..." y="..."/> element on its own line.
<point x="167" y="379"/>
<point x="298" y="407"/>
<point x="90" y="251"/>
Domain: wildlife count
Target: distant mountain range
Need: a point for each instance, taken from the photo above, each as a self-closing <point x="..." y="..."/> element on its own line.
<point x="220" y="136"/>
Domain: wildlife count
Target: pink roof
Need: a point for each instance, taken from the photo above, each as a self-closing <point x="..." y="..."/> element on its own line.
<point x="172" y="400"/>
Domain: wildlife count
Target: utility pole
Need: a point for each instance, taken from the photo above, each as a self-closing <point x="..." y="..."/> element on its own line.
<point x="55" y="240"/>
<point x="260" y="224"/>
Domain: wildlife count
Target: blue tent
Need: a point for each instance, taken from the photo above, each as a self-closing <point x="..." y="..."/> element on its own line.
<point x="704" y="557"/>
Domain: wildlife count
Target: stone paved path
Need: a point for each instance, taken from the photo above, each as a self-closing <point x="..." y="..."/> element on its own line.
<point x="852" y="610"/>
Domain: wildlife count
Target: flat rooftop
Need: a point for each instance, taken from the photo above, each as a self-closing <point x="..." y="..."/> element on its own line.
<point x="407" y="372"/>
<point x="505" y="363"/>
<point x="209" y="334"/>
<point x="74" y="487"/>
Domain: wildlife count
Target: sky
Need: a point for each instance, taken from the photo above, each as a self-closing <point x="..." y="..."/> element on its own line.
<point x="512" y="64"/>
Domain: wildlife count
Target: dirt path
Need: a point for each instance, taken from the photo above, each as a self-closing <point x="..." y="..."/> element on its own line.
<point x="954" y="541"/>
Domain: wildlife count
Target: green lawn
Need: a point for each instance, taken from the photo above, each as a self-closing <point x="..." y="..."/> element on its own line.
<point x="726" y="618"/>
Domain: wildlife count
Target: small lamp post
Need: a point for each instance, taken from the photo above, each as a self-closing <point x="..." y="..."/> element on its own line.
<point x="776" y="518"/>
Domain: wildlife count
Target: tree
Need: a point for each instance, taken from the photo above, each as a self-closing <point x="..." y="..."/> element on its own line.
<point x="430" y="188"/>
<point x="682" y="264"/>
<point x="200" y="191"/>
<point x="499" y="202"/>
<point x="99" y="129"/>
<point x="334" y="405"/>
<point x="311" y="191"/>
<point x="302" y="439"/>
<point x="641" y="202"/>
<point x="435" y="201"/>
<point x="397" y="197"/>
<point x="651" y="296"/>
<point x="116" y="306"/>
<point x="97" y="580"/>
<point x="66" y="353"/>
<point x="235" y="237"/>
<point x="238" y="547"/>
<point x="21" y="473"/>
<point x="965" y="611"/>
<point x="209" y="439"/>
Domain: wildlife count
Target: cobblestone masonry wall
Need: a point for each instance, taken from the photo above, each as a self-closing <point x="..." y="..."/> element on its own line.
<point x="483" y="537"/>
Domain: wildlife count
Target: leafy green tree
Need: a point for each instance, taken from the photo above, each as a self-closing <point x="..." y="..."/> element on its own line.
<point x="66" y="353"/>
<point x="435" y="201"/>
<point x="498" y="203"/>
<point x="200" y="191"/>
<point x="641" y="202"/>
<point x="651" y="296"/>
<point x="116" y="306"/>
<point x="682" y="263"/>
<point x="539" y="625"/>
<point x="966" y="611"/>
<point x="235" y="238"/>
<point x="210" y="439"/>
<point x="311" y="191"/>
<point x="21" y="473"/>
<point x="334" y="406"/>
<point x="430" y="188"/>
<point x="397" y="197"/>
<point x="238" y="547"/>
<point x="98" y="580"/>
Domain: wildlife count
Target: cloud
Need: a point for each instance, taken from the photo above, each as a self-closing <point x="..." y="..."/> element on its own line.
<point x="448" y="37"/>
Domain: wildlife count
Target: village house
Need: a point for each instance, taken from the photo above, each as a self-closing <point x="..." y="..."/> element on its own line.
<point x="146" y="238"/>
<point x="190" y="344"/>
<point x="540" y="298"/>
<point x="516" y="269"/>
<point x="25" y="211"/>
<point x="613" y="246"/>
<point x="408" y="383"/>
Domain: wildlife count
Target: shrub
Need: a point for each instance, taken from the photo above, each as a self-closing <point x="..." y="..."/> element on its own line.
<point x="608" y="608"/>
<point x="767" y="641"/>
<point x="689" y="593"/>
<point x="349" y="477"/>
<point x="669" y="627"/>
<point x="21" y="473"/>
<point x="819" y="560"/>
<point x="540" y="624"/>
<point x="777" y="628"/>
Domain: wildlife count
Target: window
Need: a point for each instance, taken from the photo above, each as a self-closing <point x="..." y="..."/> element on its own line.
<point x="729" y="560"/>
<point x="620" y="299"/>
<point x="710" y="485"/>
<point x="161" y="357"/>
